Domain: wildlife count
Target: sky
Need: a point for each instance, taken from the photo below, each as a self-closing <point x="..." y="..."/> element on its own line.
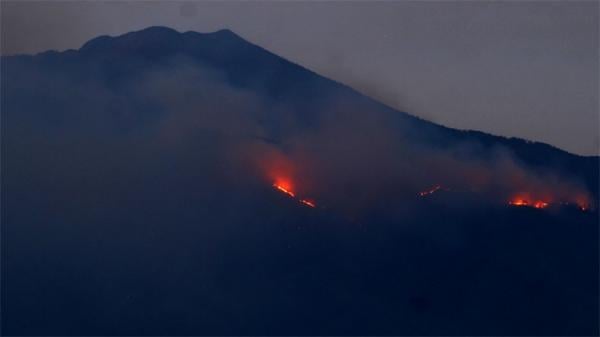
<point x="521" y="69"/>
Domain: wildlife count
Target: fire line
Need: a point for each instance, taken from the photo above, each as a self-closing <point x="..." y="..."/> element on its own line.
<point x="286" y="190"/>
<point x="431" y="191"/>
<point x="308" y="203"/>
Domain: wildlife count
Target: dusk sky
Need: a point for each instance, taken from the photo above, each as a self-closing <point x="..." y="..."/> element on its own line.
<point x="524" y="69"/>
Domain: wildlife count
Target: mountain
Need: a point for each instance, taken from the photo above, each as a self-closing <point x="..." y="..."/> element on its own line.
<point x="139" y="199"/>
<point x="115" y="60"/>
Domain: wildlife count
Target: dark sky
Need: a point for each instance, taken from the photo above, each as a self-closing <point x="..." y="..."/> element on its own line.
<point x="526" y="69"/>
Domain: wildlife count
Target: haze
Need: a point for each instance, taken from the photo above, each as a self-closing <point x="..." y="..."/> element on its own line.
<point x="526" y="69"/>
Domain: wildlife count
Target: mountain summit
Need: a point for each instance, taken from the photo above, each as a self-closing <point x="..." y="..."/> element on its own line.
<point x="154" y="39"/>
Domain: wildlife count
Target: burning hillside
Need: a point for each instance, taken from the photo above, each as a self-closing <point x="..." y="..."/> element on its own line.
<point x="308" y="202"/>
<point x="285" y="187"/>
<point x="527" y="200"/>
<point x="291" y="179"/>
<point x="520" y="201"/>
<point x="526" y="203"/>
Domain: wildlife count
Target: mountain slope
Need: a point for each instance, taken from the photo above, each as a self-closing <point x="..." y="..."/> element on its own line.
<point x="138" y="199"/>
<point x="117" y="60"/>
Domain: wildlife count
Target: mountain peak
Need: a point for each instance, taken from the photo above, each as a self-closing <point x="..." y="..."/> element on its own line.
<point x="133" y="40"/>
<point x="156" y="30"/>
<point x="224" y="31"/>
<point x="152" y="38"/>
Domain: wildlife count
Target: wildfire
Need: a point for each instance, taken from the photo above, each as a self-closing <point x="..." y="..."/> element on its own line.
<point x="522" y="202"/>
<point x="518" y="202"/>
<point x="284" y="190"/>
<point x="308" y="203"/>
<point x="286" y="187"/>
<point x="431" y="191"/>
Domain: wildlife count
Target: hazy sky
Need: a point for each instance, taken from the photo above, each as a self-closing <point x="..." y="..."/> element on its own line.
<point x="527" y="69"/>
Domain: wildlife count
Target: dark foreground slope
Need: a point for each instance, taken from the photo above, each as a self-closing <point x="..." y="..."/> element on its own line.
<point x="256" y="263"/>
<point x="137" y="200"/>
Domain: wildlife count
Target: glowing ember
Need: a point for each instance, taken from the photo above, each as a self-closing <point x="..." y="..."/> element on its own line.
<point x="518" y="202"/>
<point x="307" y="202"/>
<point x="522" y="202"/>
<point x="431" y="191"/>
<point x="284" y="190"/>
<point x="285" y="187"/>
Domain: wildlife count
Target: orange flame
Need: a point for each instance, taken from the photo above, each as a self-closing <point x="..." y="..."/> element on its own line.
<point x="284" y="190"/>
<point x="523" y="202"/>
<point x="285" y="186"/>
<point x="527" y="203"/>
<point x="518" y="202"/>
<point x="308" y="202"/>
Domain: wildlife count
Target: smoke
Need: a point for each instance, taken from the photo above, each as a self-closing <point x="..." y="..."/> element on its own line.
<point x="357" y="158"/>
<point x="152" y="183"/>
<point x="184" y="120"/>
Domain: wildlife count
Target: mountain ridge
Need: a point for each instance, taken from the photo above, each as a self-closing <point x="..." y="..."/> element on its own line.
<point x="149" y="33"/>
<point x="249" y="66"/>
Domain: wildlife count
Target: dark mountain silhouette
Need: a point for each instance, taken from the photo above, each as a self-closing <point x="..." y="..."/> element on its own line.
<point x="137" y="200"/>
<point x="244" y="65"/>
